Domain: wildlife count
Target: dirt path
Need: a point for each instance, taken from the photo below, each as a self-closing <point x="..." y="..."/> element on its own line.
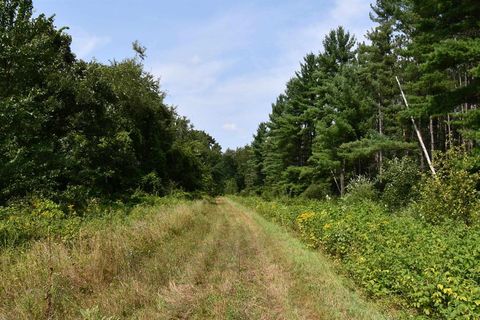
<point x="202" y="261"/>
<point x="251" y="269"/>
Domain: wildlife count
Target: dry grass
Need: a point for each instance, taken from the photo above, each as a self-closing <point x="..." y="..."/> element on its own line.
<point x="105" y="270"/>
<point x="195" y="261"/>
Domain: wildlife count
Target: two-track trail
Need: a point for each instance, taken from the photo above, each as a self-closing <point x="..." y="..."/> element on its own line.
<point x="197" y="261"/>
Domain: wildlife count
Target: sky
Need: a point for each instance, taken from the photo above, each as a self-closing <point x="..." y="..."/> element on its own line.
<point x="221" y="63"/>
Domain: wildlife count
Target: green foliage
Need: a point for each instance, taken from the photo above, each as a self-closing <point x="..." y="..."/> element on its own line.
<point x="235" y="170"/>
<point x="453" y="193"/>
<point x="35" y="218"/>
<point x="446" y="43"/>
<point x="71" y="130"/>
<point x="316" y="191"/>
<point x="399" y="179"/>
<point x="193" y="160"/>
<point x="231" y="186"/>
<point x="151" y="183"/>
<point x="361" y="188"/>
<point x="430" y="268"/>
<point x="371" y="144"/>
<point x="341" y="114"/>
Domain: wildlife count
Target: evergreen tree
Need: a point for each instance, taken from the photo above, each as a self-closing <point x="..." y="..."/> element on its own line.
<point x="446" y="43"/>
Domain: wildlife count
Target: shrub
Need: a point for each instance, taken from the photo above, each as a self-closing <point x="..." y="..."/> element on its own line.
<point x="316" y="191"/>
<point x="231" y="186"/>
<point x="431" y="268"/>
<point x="151" y="183"/>
<point x="32" y="218"/>
<point x="76" y="195"/>
<point x="361" y="188"/>
<point x="452" y="193"/>
<point x="399" y="178"/>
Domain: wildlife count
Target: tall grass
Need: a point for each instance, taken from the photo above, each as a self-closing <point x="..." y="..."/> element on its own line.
<point x="100" y="268"/>
<point x="193" y="260"/>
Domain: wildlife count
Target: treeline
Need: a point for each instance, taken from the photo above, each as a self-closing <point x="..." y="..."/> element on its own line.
<point x="341" y="119"/>
<point x="72" y="130"/>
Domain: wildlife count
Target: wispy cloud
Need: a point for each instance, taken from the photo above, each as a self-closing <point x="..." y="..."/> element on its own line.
<point x="233" y="66"/>
<point x="220" y="62"/>
<point x="85" y="44"/>
<point x="191" y="77"/>
<point x="229" y="126"/>
<point x="348" y="11"/>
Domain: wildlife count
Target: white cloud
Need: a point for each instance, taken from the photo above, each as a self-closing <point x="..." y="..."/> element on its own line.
<point x="192" y="69"/>
<point x="348" y="11"/>
<point x="192" y="76"/>
<point x="352" y="14"/>
<point x="85" y="44"/>
<point x="216" y="74"/>
<point x="229" y="126"/>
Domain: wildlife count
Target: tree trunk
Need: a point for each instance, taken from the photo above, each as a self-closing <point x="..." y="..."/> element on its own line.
<point x="449" y="134"/>
<point x="380" y="130"/>
<point x="432" y="139"/>
<point x="419" y="134"/>
<point x="342" y="179"/>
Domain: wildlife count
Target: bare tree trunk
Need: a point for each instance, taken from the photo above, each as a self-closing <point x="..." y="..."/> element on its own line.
<point x="419" y="134"/>
<point x="432" y="139"/>
<point x="380" y="130"/>
<point x="342" y="179"/>
<point x="462" y="110"/>
<point x="467" y="108"/>
<point x="449" y="129"/>
<point x="336" y="182"/>
<point x="446" y="132"/>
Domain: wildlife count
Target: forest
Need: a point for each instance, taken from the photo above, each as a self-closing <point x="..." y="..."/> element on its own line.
<point x="370" y="156"/>
<point x="406" y="167"/>
<point x="74" y="130"/>
<point x="342" y="121"/>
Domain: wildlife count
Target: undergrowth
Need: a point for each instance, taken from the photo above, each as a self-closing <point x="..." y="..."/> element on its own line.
<point x="433" y="268"/>
<point x="36" y="218"/>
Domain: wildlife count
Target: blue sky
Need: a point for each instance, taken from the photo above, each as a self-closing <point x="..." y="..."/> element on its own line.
<point x="222" y="63"/>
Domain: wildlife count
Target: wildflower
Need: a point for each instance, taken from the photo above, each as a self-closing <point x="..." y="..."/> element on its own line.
<point x="306" y="216"/>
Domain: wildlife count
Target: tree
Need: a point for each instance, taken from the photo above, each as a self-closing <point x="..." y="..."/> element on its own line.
<point x="446" y="43"/>
<point x="34" y="57"/>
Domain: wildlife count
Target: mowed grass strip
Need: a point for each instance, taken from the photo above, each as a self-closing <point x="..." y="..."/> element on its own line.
<point x="198" y="260"/>
<point x="314" y="289"/>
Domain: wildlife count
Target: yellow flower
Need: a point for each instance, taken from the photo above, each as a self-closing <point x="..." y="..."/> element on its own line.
<point x="448" y="291"/>
<point x="306" y="216"/>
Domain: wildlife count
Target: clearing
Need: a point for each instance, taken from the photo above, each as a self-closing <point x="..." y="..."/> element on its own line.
<point x="197" y="260"/>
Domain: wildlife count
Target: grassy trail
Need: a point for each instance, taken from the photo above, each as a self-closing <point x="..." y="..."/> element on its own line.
<point x="194" y="261"/>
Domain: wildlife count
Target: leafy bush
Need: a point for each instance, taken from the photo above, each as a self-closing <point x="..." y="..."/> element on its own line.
<point x="35" y="218"/>
<point x="453" y="193"/>
<point x="316" y="191"/>
<point x="151" y="183"/>
<point x="76" y="195"/>
<point x="399" y="178"/>
<point x="231" y="186"/>
<point x="431" y="268"/>
<point x="361" y="188"/>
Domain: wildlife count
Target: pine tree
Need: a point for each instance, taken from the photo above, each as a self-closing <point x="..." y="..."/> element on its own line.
<point x="446" y="43"/>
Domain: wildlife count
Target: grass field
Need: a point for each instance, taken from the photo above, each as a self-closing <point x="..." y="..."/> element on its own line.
<point x="197" y="260"/>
